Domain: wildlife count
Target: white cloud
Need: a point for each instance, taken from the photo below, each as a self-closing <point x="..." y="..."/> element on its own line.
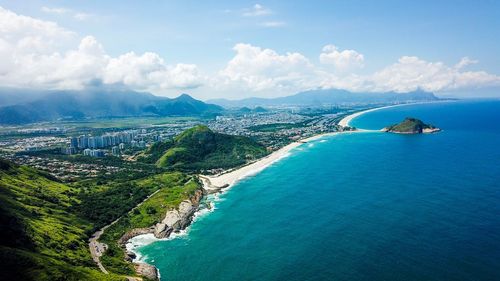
<point x="35" y="53"/>
<point x="58" y="11"/>
<point x="342" y="60"/>
<point x="265" y="72"/>
<point x="256" y="11"/>
<point x="273" y="24"/>
<point x="256" y="69"/>
<point x="465" y="61"/>
<point x="80" y="16"/>
<point x="411" y="73"/>
<point x="149" y="72"/>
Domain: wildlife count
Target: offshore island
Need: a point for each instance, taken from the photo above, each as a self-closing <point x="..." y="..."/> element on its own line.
<point x="411" y="126"/>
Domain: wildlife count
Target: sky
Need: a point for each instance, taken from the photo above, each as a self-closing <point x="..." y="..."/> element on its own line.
<point x="239" y="49"/>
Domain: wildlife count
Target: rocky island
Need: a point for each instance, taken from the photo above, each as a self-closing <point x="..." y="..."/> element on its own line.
<point x="411" y="126"/>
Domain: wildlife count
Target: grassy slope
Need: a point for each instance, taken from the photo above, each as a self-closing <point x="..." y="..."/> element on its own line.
<point x="40" y="238"/>
<point x="176" y="187"/>
<point x="201" y="149"/>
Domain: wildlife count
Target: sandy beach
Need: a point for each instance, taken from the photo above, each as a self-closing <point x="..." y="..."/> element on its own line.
<point x="345" y="121"/>
<point x="228" y="179"/>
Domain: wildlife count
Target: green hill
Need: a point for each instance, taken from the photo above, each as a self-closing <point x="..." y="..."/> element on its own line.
<point x="411" y="126"/>
<point x="40" y="238"/>
<point x="199" y="148"/>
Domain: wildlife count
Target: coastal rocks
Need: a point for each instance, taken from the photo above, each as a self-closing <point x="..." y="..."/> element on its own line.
<point x="430" y="130"/>
<point x="133" y="233"/>
<point x="176" y="220"/>
<point x="146" y="270"/>
<point x="130" y="256"/>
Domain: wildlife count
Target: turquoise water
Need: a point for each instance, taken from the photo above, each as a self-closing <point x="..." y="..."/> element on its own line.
<point x="360" y="206"/>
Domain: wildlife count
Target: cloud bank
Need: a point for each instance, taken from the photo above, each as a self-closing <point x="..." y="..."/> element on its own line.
<point x="35" y="53"/>
<point x="41" y="54"/>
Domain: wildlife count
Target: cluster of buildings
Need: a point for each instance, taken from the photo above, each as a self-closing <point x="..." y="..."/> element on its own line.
<point x="93" y="145"/>
<point x="93" y="152"/>
<point x="296" y="125"/>
<point x="94" y="142"/>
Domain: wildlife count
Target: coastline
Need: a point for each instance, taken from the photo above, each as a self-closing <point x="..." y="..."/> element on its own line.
<point x="220" y="183"/>
<point x="347" y="119"/>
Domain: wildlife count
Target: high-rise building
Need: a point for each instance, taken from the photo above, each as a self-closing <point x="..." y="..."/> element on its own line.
<point x="115" y="150"/>
<point x="74" y="142"/>
<point x="92" y="143"/>
<point x="83" y="142"/>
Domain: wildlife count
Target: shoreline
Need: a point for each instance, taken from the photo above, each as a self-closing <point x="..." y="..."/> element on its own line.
<point x="220" y="183"/>
<point x="344" y="122"/>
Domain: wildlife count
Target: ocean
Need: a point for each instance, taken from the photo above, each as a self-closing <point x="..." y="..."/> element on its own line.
<point x="359" y="206"/>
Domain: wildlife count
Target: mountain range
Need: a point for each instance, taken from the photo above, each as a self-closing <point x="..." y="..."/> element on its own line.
<point x="328" y="97"/>
<point x="18" y="106"/>
<point x="21" y="107"/>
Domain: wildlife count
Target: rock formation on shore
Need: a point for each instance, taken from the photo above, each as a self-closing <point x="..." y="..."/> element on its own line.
<point x="174" y="221"/>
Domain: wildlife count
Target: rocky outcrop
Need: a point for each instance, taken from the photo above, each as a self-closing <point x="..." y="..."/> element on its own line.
<point x="430" y="130"/>
<point x="178" y="219"/>
<point x="175" y="220"/>
<point x="146" y="270"/>
<point x="133" y="233"/>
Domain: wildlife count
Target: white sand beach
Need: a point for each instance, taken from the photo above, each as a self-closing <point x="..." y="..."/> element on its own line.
<point x="229" y="178"/>
<point x="345" y="121"/>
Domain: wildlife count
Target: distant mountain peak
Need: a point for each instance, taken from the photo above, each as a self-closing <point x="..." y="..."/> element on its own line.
<point x="184" y="97"/>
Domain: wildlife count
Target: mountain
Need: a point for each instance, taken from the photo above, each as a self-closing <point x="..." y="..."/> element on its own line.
<point x="199" y="148"/>
<point x="56" y="105"/>
<point x="411" y="126"/>
<point x="328" y="97"/>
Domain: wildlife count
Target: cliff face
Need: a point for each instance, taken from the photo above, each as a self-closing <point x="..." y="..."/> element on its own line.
<point x="176" y="220"/>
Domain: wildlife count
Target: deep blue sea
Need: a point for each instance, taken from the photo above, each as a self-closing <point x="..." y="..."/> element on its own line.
<point x="359" y="206"/>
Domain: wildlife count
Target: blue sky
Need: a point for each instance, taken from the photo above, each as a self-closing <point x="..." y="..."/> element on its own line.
<point x="205" y="34"/>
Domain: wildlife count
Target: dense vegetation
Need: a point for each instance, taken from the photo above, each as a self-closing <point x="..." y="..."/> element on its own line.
<point x="40" y="237"/>
<point x="199" y="149"/>
<point x="175" y="187"/>
<point x="409" y="125"/>
<point x="106" y="203"/>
